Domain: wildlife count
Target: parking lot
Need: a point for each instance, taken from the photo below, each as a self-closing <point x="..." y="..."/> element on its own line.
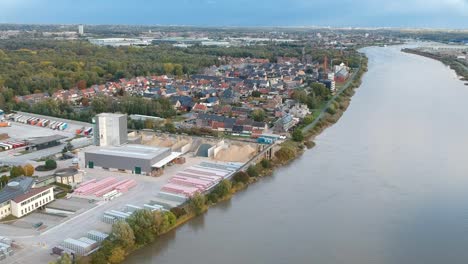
<point x="19" y="132"/>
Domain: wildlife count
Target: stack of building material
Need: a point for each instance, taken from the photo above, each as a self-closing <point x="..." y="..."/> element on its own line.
<point x="91" y="188"/>
<point x="172" y="197"/>
<point x="79" y="247"/>
<point x="112" y="216"/>
<point x="153" y="207"/>
<point x="93" y="244"/>
<point x="124" y="187"/>
<point x="132" y="208"/>
<point x="208" y="171"/>
<point x="97" y="236"/>
<point x="108" y="219"/>
<point x="109" y="188"/>
<point x="192" y="182"/>
<point x="181" y="190"/>
<point x="215" y="179"/>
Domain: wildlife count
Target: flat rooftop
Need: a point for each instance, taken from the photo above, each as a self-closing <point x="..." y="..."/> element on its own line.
<point x="129" y="150"/>
<point x="43" y="140"/>
<point x="110" y="115"/>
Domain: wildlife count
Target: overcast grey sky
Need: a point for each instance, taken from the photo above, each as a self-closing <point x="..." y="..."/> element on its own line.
<point x="372" y="13"/>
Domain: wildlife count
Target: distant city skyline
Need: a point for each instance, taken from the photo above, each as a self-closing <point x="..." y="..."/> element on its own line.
<point x="336" y="13"/>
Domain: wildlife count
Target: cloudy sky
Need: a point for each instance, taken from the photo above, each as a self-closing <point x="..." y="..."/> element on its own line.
<point x="373" y="13"/>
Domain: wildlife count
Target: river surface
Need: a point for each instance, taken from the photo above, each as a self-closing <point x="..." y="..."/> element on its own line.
<point x="387" y="184"/>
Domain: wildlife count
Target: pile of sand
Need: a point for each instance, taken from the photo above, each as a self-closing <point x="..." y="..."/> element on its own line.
<point x="236" y="153"/>
<point x="165" y="141"/>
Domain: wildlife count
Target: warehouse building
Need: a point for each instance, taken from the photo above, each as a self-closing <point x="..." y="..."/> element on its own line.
<point x="137" y="159"/>
<point x="38" y="143"/>
<point x="20" y="197"/>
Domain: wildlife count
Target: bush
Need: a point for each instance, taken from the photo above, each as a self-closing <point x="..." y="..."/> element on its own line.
<point x="285" y="154"/>
<point x="252" y="171"/>
<point x="331" y="109"/>
<point x="50" y="164"/>
<point x="309" y="144"/>
<point x="266" y="163"/>
<point x="308" y="119"/>
<point x="241" y="176"/>
<point x="16" y="171"/>
<point x="178" y="211"/>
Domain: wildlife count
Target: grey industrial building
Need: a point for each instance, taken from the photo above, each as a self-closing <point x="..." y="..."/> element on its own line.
<point x="38" y="143"/>
<point x="137" y="159"/>
<point x="110" y="129"/>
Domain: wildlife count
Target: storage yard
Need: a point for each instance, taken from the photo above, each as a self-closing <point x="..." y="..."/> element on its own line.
<point x="220" y="150"/>
<point x="89" y="209"/>
<point x="115" y="181"/>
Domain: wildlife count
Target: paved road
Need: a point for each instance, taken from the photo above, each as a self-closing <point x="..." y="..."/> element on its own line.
<point x="338" y="93"/>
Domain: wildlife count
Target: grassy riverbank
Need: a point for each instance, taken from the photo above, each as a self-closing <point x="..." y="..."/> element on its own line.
<point x="144" y="227"/>
<point x="460" y="68"/>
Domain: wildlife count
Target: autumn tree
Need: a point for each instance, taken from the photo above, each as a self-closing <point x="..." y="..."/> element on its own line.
<point x="117" y="255"/>
<point x="81" y="85"/>
<point x="28" y="170"/>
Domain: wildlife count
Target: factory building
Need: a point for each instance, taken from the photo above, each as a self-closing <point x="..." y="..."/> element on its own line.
<point x="110" y="129"/>
<point x="20" y="198"/>
<point x="137" y="159"/>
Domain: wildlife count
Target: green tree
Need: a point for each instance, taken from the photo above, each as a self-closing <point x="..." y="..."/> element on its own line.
<point x="50" y="164"/>
<point x="142" y="223"/>
<point x="256" y="94"/>
<point x="284" y="154"/>
<point x="16" y="171"/>
<point x="123" y="235"/>
<point x="258" y="115"/>
<point x="297" y="135"/>
<point x="300" y="96"/>
<point x="266" y="163"/>
<point x="197" y="203"/>
<point x="4" y="181"/>
<point x="252" y="171"/>
<point x="241" y="176"/>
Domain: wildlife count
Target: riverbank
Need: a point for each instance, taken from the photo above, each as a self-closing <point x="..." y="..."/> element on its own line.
<point x="284" y="154"/>
<point x="458" y="67"/>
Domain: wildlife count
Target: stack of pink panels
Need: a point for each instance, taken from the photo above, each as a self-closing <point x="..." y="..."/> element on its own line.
<point x="91" y="188"/>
